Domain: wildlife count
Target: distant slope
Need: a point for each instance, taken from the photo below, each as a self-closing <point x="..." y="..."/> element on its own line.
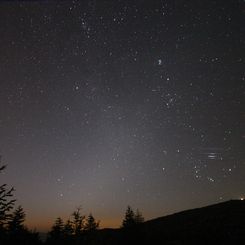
<point x="222" y="223"/>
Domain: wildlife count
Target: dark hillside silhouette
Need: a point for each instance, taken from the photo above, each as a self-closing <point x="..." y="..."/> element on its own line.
<point x="212" y="224"/>
<point x="221" y="223"/>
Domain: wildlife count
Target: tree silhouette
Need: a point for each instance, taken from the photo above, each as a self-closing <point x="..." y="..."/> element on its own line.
<point x="12" y="229"/>
<point x="138" y="217"/>
<point x="90" y="228"/>
<point x="91" y="224"/>
<point x="56" y="234"/>
<point x="78" y="222"/>
<point x="6" y="202"/>
<point x="129" y="218"/>
<point x="68" y="228"/>
<point x="131" y="230"/>
<point x="68" y="232"/>
<point x="16" y="223"/>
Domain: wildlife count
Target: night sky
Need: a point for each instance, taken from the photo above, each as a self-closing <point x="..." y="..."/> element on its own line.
<point x="106" y="104"/>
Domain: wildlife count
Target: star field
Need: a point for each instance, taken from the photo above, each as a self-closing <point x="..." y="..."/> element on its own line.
<point x="106" y="104"/>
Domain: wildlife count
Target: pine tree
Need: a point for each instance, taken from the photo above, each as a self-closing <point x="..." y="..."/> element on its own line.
<point x="132" y="218"/>
<point x="68" y="233"/>
<point x="129" y="219"/>
<point x="57" y="231"/>
<point x="138" y="217"/>
<point x="6" y="202"/>
<point x="68" y="228"/>
<point x="58" y="225"/>
<point x="16" y="223"/>
<point x="91" y="224"/>
<point x="78" y="221"/>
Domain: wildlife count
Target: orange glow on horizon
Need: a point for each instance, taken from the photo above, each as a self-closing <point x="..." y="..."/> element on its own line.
<point x="45" y="226"/>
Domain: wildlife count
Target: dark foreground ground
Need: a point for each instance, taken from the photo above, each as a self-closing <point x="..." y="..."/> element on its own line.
<point x="222" y="223"/>
<point x="218" y="224"/>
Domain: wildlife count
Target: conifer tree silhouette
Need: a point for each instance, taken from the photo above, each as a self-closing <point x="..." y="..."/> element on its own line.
<point x="78" y="222"/>
<point x="68" y="228"/>
<point x="138" y="217"/>
<point x="91" y="224"/>
<point x="129" y="218"/>
<point x="56" y="234"/>
<point x="132" y="218"/>
<point x="16" y="223"/>
<point x="6" y="202"/>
